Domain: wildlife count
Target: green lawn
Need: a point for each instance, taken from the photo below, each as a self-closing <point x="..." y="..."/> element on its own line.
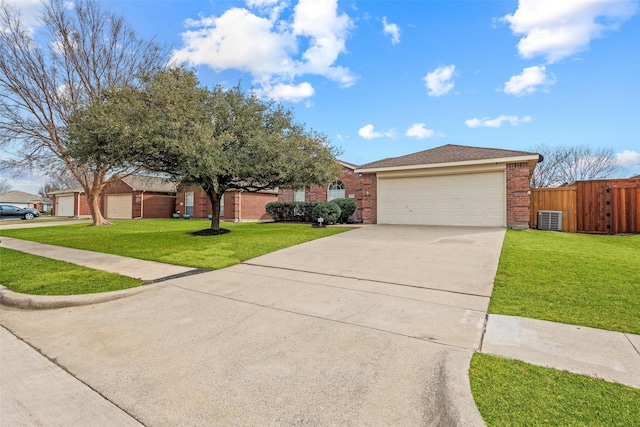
<point x="168" y="240"/>
<point x="30" y="274"/>
<point x="589" y="280"/>
<point x="512" y="393"/>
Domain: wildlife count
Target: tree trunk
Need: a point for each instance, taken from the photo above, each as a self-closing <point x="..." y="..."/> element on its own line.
<point x="214" y="198"/>
<point x="94" y="209"/>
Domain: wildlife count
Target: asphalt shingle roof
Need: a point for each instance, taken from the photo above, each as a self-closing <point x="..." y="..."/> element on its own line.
<point x="449" y="153"/>
<point x="150" y="183"/>
<point x="19" y="197"/>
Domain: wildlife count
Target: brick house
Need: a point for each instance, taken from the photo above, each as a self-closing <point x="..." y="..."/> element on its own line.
<point x="131" y="197"/>
<point x="236" y="205"/>
<point x="449" y="185"/>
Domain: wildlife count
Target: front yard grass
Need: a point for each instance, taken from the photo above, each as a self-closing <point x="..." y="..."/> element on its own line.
<point x="31" y="274"/>
<point x="513" y="393"/>
<point x="580" y="279"/>
<point x="168" y="240"/>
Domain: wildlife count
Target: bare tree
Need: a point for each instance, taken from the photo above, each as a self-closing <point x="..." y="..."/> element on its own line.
<point x="5" y="186"/>
<point x="82" y="51"/>
<point x="63" y="180"/>
<point x="566" y="164"/>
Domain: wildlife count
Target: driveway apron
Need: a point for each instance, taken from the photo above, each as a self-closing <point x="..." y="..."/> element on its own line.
<point x="375" y="326"/>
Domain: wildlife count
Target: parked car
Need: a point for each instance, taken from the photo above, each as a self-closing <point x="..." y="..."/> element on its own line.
<point x="7" y="211"/>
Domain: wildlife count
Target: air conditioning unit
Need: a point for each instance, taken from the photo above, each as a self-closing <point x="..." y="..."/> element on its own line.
<point x="550" y="220"/>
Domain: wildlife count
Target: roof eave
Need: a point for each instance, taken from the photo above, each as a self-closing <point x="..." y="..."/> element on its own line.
<point x="517" y="159"/>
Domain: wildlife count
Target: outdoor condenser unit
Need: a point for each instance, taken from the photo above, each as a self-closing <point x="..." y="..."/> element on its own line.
<point x="550" y="220"/>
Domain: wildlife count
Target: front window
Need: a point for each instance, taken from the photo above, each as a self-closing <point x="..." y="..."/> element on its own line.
<point x="298" y="195"/>
<point x="335" y="191"/>
<point x="188" y="203"/>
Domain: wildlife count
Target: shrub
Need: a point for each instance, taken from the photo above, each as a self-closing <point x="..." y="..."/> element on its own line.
<point x="291" y="211"/>
<point x="347" y="206"/>
<point x="327" y="210"/>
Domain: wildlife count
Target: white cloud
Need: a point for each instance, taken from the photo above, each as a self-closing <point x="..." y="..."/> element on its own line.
<point x="368" y="132"/>
<point x="420" y="131"/>
<point x="486" y="122"/>
<point x="267" y="46"/>
<point x="628" y="158"/>
<point x="439" y="80"/>
<point x="392" y="29"/>
<point x="238" y="39"/>
<point x="557" y="29"/>
<point x="286" y="92"/>
<point x="529" y="81"/>
<point x="29" y="11"/>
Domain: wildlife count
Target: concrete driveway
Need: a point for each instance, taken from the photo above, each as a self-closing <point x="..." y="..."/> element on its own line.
<point x="375" y="326"/>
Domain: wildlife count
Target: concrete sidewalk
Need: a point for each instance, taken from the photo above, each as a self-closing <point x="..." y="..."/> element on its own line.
<point x="611" y="356"/>
<point x="140" y="269"/>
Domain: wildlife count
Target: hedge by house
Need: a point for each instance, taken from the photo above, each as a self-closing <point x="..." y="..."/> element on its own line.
<point x="291" y="211"/>
<point x="347" y="207"/>
<point x="329" y="211"/>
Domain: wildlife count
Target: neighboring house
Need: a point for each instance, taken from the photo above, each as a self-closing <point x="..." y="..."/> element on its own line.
<point x="25" y="200"/>
<point x="450" y="185"/>
<point x="131" y="197"/>
<point x="348" y="185"/>
<point x="138" y="196"/>
<point x="236" y="205"/>
<point x="69" y="203"/>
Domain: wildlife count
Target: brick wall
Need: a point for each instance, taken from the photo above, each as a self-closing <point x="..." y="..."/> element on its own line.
<point x="518" y="195"/>
<point x="238" y="205"/>
<point x="156" y="205"/>
<point x="369" y="198"/>
<point x="252" y="205"/>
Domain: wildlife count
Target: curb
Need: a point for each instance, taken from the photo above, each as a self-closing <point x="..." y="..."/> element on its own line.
<point x="46" y="302"/>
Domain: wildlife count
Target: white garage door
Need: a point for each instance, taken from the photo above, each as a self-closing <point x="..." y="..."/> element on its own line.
<point x="475" y="199"/>
<point x="119" y="206"/>
<point x="64" y="205"/>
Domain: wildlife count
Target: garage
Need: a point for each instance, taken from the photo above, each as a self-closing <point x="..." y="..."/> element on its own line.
<point x="119" y="206"/>
<point x="452" y="185"/>
<point x="473" y="199"/>
<point x="65" y="205"/>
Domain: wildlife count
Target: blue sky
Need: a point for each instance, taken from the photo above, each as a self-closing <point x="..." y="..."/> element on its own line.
<point x="388" y="78"/>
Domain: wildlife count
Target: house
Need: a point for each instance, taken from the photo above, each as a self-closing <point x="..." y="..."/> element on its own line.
<point x="25" y="200"/>
<point x="236" y="205"/>
<point x="137" y="196"/>
<point x="348" y="185"/>
<point x="134" y="196"/>
<point x="449" y="185"/>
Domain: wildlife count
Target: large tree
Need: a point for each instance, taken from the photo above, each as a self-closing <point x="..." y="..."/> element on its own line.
<point x="46" y="75"/>
<point x="217" y="139"/>
<point x="566" y="164"/>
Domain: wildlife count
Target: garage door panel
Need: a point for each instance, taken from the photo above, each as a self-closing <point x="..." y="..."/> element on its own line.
<point x="64" y="205"/>
<point x="119" y="206"/>
<point x="468" y="199"/>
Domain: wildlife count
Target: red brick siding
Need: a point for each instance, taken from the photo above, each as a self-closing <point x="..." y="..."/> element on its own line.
<point x="369" y="198"/>
<point x="253" y="205"/>
<point x="518" y="195"/>
<point x="156" y="205"/>
<point x="238" y="205"/>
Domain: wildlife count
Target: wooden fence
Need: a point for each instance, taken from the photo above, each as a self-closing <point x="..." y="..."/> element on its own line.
<point x="555" y="199"/>
<point x="598" y="206"/>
